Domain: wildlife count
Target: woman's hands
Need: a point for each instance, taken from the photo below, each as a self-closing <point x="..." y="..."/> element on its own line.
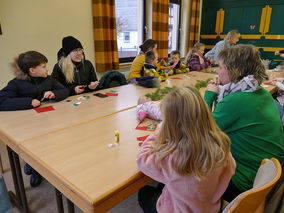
<point x="93" y="85"/>
<point x="213" y="85"/>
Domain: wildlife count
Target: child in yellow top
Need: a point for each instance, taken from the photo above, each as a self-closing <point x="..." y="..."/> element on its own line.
<point x="176" y="65"/>
<point x="150" y="66"/>
<point x="137" y="65"/>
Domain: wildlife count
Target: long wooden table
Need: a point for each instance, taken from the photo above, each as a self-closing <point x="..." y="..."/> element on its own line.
<point x="68" y="146"/>
<point x="79" y="163"/>
<point x="17" y="126"/>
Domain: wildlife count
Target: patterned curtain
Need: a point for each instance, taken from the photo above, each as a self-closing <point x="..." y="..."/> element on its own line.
<point x="106" y="54"/>
<point x="194" y="22"/>
<point x="160" y="26"/>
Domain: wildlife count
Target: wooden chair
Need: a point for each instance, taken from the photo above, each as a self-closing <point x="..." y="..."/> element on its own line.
<point x="253" y="200"/>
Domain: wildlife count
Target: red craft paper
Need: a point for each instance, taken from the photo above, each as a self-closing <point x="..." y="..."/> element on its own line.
<point x="268" y="83"/>
<point x="176" y="78"/>
<point x="111" y="94"/>
<point x="44" y="109"/>
<point x="142" y="138"/>
<point x="145" y="127"/>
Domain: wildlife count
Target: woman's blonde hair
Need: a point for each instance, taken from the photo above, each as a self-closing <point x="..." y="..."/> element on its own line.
<point x="243" y="60"/>
<point x="232" y="34"/>
<point x="190" y="133"/>
<point x="196" y="47"/>
<point x="67" y="67"/>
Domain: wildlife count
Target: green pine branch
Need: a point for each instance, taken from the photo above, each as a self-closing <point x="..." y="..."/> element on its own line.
<point x="159" y="93"/>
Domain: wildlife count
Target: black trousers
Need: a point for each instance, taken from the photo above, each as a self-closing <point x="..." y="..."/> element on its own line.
<point x="148" y="197"/>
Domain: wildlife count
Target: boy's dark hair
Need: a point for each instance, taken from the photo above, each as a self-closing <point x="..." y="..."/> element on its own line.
<point x="149" y="56"/>
<point x="30" y="59"/>
<point x="147" y="44"/>
<point x="175" y="52"/>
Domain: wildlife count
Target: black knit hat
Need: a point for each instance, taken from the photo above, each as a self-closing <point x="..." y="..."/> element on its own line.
<point x="70" y="43"/>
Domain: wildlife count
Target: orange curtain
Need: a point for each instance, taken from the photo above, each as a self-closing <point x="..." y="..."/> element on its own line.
<point x="104" y="25"/>
<point x="160" y="26"/>
<point x="194" y="22"/>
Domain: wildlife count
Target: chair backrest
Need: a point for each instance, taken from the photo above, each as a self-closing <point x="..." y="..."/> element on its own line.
<point x="111" y="79"/>
<point x="253" y="200"/>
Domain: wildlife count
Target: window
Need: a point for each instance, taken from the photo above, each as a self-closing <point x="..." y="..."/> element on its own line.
<point x="126" y="37"/>
<point x="174" y="19"/>
<point x="129" y="25"/>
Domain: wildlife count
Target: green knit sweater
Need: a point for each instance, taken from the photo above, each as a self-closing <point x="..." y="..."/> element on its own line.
<point x="252" y="121"/>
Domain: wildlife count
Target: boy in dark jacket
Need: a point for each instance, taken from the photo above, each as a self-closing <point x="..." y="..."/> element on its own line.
<point x="31" y="85"/>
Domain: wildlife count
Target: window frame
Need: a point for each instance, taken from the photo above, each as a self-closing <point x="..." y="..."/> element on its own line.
<point x="178" y="2"/>
<point x="130" y="59"/>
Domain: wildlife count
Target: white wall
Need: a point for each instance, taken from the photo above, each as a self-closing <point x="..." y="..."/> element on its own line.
<point x="40" y="25"/>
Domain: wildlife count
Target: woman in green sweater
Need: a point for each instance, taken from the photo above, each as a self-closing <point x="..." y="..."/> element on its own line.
<point x="246" y="112"/>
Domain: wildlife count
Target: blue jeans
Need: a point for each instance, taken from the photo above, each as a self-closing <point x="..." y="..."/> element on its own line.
<point x="280" y="108"/>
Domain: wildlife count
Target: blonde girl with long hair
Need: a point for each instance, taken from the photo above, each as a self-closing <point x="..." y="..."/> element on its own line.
<point x="190" y="155"/>
<point x="195" y="59"/>
<point x="72" y="70"/>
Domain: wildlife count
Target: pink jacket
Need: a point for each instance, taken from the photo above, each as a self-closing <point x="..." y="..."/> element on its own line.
<point x="183" y="194"/>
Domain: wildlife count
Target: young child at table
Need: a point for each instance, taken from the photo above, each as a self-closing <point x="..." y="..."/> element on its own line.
<point x="279" y="82"/>
<point x="150" y="66"/>
<point x="195" y="59"/>
<point x="176" y="64"/>
<point x="190" y="155"/>
<point x="31" y="86"/>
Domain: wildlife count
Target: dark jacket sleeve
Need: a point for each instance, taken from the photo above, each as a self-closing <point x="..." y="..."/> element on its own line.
<point x="281" y="51"/>
<point x="92" y="74"/>
<point x="10" y="101"/>
<point x="59" y="90"/>
<point x="59" y="76"/>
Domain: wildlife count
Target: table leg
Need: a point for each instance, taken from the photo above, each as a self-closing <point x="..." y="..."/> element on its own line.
<point x="20" y="199"/>
<point x="59" y="201"/>
<point x="14" y="175"/>
<point x="70" y="206"/>
<point x="21" y="182"/>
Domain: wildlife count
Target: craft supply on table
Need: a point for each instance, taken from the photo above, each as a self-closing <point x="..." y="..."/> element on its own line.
<point x="116" y="137"/>
<point x="44" y="109"/>
<point x="76" y="104"/>
<point x="111" y="94"/>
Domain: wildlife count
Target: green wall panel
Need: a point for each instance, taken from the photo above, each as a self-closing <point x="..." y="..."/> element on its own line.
<point x="276" y="22"/>
<point x="245" y="16"/>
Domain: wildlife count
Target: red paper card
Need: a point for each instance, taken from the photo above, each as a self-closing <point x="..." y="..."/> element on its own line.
<point x="147" y="125"/>
<point x="176" y="78"/>
<point x="142" y="138"/>
<point x="268" y="83"/>
<point x="44" y="109"/>
<point x="111" y="94"/>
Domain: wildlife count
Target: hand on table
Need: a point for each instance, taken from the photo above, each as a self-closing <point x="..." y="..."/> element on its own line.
<point x="35" y="103"/>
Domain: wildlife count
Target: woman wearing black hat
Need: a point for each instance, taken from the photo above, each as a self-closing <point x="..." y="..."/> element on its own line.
<point x="72" y="70"/>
